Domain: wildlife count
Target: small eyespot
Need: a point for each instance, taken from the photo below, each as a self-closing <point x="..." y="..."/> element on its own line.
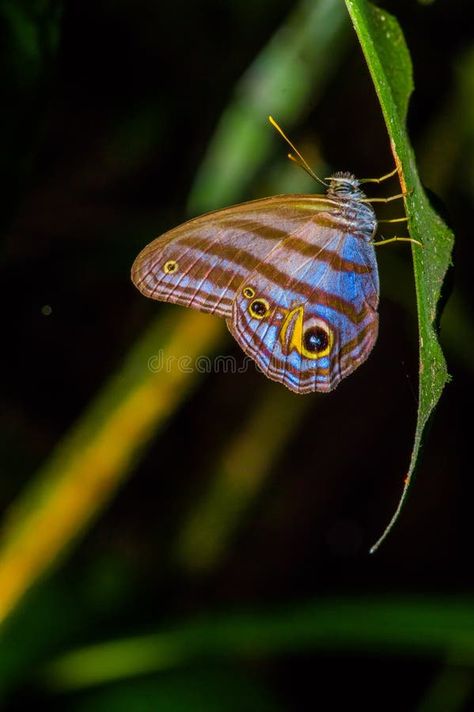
<point x="259" y="308"/>
<point x="248" y="292"/>
<point x="315" y="340"/>
<point x="170" y="267"/>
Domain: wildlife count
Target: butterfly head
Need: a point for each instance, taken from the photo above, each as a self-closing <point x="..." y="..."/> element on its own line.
<point x="345" y="186"/>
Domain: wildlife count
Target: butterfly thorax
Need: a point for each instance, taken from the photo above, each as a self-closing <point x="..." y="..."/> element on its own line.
<point x="344" y="185"/>
<point x="344" y="188"/>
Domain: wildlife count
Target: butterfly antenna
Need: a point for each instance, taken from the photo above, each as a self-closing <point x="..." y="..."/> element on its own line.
<point x="299" y="160"/>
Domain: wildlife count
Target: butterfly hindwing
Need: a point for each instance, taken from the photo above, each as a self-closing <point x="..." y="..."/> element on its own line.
<point x="312" y="323"/>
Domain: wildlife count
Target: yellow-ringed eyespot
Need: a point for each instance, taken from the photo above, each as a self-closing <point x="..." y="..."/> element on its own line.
<point x="317" y="340"/>
<point x="170" y="267"/>
<point x="248" y="292"/>
<point x="259" y="308"/>
<point x="312" y="338"/>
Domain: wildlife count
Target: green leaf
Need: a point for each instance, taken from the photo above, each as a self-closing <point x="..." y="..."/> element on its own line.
<point x="389" y="64"/>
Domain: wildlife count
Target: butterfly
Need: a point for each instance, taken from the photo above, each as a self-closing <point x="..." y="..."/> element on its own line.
<point x="294" y="276"/>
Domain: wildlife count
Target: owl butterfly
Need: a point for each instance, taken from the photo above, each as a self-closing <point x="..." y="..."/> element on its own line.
<point x="294" y="276"/>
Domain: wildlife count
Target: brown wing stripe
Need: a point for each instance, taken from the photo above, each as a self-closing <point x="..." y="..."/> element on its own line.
<point x="348" y="348"/>
<point x="253" y="226"/>
<point x="188" y="294"/>
<point x="338" y="263"/>
<point x="224" y="252"/>
<point x="316" y="296"/>
<point x="296" y="244"/>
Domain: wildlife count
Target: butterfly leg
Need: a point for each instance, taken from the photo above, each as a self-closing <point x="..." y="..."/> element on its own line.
<point x="385" y="241"/>
<point x="393" y="220"/>
<point x="379" y="180"/>
<point x="384" y="200"/>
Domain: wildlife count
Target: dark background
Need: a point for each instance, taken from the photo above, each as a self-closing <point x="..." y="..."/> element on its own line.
<point x="107" y="112"/>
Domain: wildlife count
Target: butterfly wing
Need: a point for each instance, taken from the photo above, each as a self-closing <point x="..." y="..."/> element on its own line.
<point x="294" y="278"/>
<point x="203" y="262"/>
<point x="311" y="315"/>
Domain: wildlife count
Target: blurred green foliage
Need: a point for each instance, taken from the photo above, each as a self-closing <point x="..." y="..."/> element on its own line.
<point x="231" y="572"/>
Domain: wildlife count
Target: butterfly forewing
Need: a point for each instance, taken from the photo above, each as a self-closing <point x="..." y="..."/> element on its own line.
<point x="203" y="262"/>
